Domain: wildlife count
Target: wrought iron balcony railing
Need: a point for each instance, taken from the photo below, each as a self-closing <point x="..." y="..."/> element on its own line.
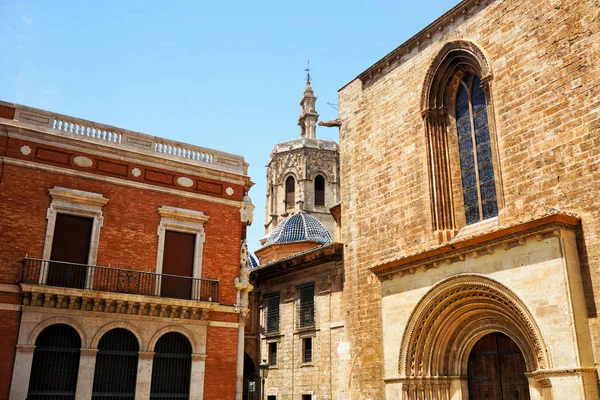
<point x="107" y="279"/>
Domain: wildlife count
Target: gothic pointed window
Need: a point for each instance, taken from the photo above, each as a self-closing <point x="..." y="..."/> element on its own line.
<point x="464" y="172"/>
<point x="290" y="192"/>
<point x="477" y="169"/>
<point x="319" y="191"/>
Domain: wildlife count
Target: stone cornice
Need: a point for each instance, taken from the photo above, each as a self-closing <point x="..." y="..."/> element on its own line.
<point x="482" y="242"/>
<point x="122" y="139"/>
<point x="109" y="302"/>
<point x="422" y="39"/>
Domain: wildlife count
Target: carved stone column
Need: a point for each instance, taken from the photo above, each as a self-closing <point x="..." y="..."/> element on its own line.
<point x="85" y="377"/>
<point x="21" y="372"/>
<point x="442" y="204"/>
<point x="144" y="375"/>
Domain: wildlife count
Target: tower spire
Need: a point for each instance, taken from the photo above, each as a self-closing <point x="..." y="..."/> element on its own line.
<point x="308" y="117"/>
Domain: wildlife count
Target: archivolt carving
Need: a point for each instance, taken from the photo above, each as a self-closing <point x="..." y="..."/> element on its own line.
<point x="443" y="67"/>
<point x="456" y="313"/>
<point x="58" y="320"/>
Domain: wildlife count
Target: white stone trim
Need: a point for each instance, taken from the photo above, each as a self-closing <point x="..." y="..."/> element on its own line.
<point x="186" y="221"/>
<point x="79" y="203"/>
<point x="10" y="307"/>
<point x="8" y="288"/>
<point x="118" y="181"/>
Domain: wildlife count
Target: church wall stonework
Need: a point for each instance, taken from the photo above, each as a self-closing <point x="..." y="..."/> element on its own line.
<point x="545" y="92"/>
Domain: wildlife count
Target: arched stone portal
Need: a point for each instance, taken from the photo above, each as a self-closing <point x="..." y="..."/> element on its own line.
<point x="447" y="323"/>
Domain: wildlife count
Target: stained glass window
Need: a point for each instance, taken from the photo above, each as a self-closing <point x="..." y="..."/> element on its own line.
<point x="477" y="169"/>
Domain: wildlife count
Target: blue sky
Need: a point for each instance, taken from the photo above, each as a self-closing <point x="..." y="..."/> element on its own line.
<point x="226" y="75"/>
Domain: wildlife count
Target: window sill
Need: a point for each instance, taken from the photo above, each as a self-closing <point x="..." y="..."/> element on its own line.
<point x="478" y="227"/>
<point x="309" y="329"/>
<point x="306" y="365"/>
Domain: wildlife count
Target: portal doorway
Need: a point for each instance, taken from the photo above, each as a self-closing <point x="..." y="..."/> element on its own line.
<point x="496" y="370"/>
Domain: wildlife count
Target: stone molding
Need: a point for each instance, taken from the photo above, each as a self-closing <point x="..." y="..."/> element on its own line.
<point x="479" y="244"/>
<point x="25" y="348"/>
<point x="109" y="137"/>
<point x="447" y="310"/>
<point x="88" y="352"/>
<point x="85" y="300"/>
<point x="181" y="220"/>
<point x="119" y="181"/>
<point x="146" y="355"/>
<point x="199" y="357"/>
<point x="73" y="202"/>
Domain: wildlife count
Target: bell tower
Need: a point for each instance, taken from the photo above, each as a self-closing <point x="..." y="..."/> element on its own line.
<point x="303" y="174"/>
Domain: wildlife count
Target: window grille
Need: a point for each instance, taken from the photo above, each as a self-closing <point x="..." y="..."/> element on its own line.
<point x="55" y="364"/>
<point x="273" y="354"/>
<point x="272" y="314"/>
<point x="306" y="308"/>
<point x="172" y="367"/>
<point x="477" y="169"/>
<point x="307" y="350"/>
<point x="116" y="366"/>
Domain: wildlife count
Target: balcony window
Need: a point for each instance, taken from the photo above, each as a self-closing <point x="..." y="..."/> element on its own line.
<point x="272" y="314"/>
<point x="306" y="306"/>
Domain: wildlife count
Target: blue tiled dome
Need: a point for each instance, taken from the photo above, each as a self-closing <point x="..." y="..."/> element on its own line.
<point x="299" y="227"/>
<point x="252" y="262"/>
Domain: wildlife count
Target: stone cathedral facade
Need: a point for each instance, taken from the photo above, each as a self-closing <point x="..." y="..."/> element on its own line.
<point x="470" y="173"/>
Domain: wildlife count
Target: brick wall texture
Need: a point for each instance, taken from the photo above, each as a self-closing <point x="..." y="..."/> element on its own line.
<point x="128" y="239"/>
<point x="546" y="94"/>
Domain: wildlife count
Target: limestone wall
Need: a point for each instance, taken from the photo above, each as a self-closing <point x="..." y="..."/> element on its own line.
<point x="545" y="92"/>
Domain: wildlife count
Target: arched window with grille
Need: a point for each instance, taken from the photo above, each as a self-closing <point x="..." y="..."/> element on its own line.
<point x="290" y="192"/>
<point x="477" y="169"/>
<point x="116" y="366"/>
<point x="55" y="364"/>
<point x="319" y="191"/>
<point x="172" y="367"/>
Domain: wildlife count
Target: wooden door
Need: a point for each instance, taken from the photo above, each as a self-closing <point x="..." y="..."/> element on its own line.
<point x="71" y="245"/>
<point x="496" y="370"/>
<point x="178" y="261"/>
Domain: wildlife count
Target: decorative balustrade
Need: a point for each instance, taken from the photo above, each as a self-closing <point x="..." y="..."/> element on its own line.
<point x="116" y="280"/>
<point x="79" y="128"/>
<point x="123" y="138"/>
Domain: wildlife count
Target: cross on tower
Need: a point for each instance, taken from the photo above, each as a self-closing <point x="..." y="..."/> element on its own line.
<point x="308" y="69"/>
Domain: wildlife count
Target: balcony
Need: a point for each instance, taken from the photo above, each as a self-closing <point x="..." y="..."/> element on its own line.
<point x="49" y="273"/>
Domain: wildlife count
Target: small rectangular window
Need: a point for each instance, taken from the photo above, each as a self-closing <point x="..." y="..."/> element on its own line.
<point x="307" y="397"/>
<point x="306" y="308"/>
<point x="272" y="313"/>
<point x="273" y="354"/>
<point x="271" y="397"/>
<point x="307" y="350"/>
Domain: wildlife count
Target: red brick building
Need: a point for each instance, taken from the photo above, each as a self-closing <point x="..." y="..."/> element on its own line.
<point x="119" y="262"/>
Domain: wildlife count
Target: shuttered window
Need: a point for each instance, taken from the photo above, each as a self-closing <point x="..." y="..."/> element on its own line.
<point x="306" y="308"/>
<point x="290" y="192"/>
<point x="307" y="350"/>
<point x="272" y="313"/>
